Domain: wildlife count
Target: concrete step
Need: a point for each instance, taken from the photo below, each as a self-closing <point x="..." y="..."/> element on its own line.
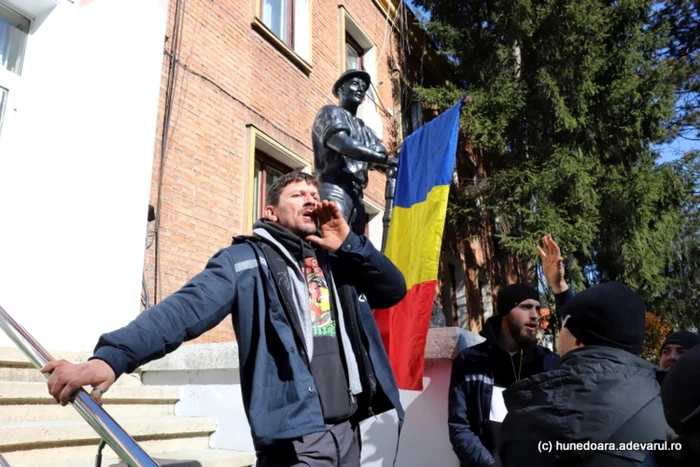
<point x="22" y="374"/>
<point x="75" y="442"/>
<point x="12" y="356"/>
<point x="32" y="412"/>
<point x="195" y="458"/>
<point x="65" y="456"/>
<point x="35" y="431"/>
<point x="48" y="433"/>
<point x="37" y="393"/>
<point x="15" y="367"/>
<point x="183" y="458"/>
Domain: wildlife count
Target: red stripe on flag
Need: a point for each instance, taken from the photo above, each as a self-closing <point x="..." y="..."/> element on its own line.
<point x="404" y="330"/>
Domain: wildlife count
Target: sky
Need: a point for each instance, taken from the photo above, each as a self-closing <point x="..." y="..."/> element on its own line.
<point x="677" y="148"/>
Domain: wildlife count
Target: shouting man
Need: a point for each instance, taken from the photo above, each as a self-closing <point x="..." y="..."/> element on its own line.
<point x="310" y="375"/>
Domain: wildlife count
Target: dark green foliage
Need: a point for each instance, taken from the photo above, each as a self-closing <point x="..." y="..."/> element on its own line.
<point x="680" y="301"/>
<point x="679" y="21"/>
<point x="569" y="98"/>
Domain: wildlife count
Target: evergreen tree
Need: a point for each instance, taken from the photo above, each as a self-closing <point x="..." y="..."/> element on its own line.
<point x="569" y="97"/>
<point x="680" y="21"/>
<point x="680" y="302"/>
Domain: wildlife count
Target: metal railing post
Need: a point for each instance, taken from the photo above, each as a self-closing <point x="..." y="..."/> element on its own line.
<point x="105" y="426"/>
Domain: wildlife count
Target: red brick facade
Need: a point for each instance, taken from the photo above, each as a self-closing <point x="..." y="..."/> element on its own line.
<point x="231" y="76"/>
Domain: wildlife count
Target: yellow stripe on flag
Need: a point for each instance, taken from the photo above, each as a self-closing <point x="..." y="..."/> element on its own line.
<point x="415" y="237"/>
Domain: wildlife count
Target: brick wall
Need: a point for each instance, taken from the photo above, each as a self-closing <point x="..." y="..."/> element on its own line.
<point x="230" y="76"/>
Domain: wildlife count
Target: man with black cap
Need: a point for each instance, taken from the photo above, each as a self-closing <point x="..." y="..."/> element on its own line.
<point x="602" y="396"/>
<point x="680" y="393"/>
<point x="344" y="147"/>
<point x="480" y="373"/>
<point x="675" y="345"/>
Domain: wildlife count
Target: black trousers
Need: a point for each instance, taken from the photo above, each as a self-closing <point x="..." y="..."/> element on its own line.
<point x="339" y="446"/>
<point x="348" y="197"/>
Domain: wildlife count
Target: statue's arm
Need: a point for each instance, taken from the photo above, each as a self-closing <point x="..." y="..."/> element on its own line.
<point x="342" y="143"/>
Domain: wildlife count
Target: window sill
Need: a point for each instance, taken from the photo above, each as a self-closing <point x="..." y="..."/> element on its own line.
<point x="294" y="57"/>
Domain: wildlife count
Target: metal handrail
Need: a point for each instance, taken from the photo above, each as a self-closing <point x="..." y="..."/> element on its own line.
<point x="105" y="426"/>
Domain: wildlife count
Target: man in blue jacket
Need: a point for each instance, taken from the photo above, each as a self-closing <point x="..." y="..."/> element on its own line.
<point x="481" y="373"/>
<point x="300" y="292"/>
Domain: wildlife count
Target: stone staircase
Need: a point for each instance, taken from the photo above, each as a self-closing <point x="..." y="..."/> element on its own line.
<point x="35" y="431"/>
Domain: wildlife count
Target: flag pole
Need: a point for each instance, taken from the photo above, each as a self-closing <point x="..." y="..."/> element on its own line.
<point x="389" y="192"/>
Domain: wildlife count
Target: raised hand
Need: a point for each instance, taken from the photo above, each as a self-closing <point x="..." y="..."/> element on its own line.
<point x="334" y="230"/>
<point x="68" y="377"/>
<point x="552" y="264"/>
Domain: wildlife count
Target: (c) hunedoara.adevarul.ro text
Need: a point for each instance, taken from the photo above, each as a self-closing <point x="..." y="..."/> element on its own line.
<point x="551" y="446"/>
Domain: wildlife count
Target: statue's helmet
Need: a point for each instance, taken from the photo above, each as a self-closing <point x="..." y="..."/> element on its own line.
<point x="348" y="75"/>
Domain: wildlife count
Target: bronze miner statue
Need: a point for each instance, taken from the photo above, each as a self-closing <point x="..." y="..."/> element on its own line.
<point x="345" y="149"/>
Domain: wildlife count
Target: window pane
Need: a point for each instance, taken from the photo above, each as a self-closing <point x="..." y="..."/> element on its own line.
<point x="352" y="60"/>
<point x="271" y="176"/>
<point x="274" y="16"/>
<point x="13" y="39"/>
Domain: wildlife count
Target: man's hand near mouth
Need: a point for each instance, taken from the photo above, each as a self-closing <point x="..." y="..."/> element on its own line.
<point x="332" y="226"/>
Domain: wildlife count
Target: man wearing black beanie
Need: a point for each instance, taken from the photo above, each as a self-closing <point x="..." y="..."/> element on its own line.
<point x="676" y="344"/>
<point x="602" y="396"/>
<point x="480" y="374"/>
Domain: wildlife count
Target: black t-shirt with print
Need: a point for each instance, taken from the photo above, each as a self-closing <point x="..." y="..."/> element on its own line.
<point x="327" y="364"/>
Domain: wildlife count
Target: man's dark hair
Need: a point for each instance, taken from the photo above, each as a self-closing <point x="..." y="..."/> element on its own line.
<point x="275" y="190"/>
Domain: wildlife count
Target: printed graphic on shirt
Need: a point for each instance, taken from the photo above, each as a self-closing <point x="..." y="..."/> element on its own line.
<point x="319" y="300"/>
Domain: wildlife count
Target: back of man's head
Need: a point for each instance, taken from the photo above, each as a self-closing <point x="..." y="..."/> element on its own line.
<point x="680" y="393"/>
<point x="609" y="314"/>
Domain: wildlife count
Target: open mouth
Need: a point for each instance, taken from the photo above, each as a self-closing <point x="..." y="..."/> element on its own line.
<point x="308" y="214"/>
<point x="531" y="327"/>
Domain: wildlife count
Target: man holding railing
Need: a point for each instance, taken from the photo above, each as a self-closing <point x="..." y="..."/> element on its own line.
<point x="309" y="374"/>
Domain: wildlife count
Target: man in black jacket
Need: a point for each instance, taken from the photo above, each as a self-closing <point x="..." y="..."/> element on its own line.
<point x="602" y="396"/>
<point x="680" y="393"/>
<point x="300" y="292"/>
<point x="480" y="373"/>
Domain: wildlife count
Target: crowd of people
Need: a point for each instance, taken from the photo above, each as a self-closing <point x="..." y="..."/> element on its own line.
<point x="515" y="403"/>
<point x="300" y="292"/>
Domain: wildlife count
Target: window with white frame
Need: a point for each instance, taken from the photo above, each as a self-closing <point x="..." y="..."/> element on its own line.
<point x="360" y="53"/>
<point x="289" y="21"/>
<point x="14" y="29"/>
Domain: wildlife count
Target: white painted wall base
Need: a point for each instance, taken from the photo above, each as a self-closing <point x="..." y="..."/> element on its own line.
<point x="425" y="440"/>
<point x="208" y="374"/>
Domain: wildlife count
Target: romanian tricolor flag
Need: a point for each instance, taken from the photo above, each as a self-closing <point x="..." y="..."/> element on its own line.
<point x="426" y="163"/>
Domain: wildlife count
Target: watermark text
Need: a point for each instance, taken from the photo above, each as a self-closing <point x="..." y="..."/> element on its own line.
<point x="552" y="446"/>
